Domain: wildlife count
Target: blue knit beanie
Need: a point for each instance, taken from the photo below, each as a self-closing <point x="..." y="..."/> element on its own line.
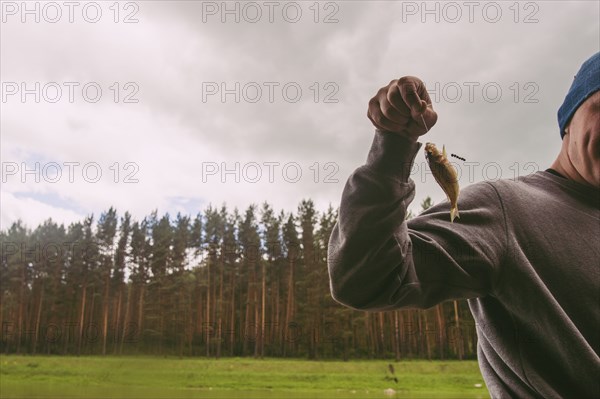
<point x="586" y="83"/>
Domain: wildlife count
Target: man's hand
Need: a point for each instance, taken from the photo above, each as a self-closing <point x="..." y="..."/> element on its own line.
<point x="401" y="107"/>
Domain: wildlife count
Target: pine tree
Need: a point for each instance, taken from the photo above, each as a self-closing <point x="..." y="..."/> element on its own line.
<point x="250" y="241"/>
<point x="272" y="243"/>
<point x="160" y="259"/>
<point x="177" y="282"/>
<point x="140" y="266"/>
<point x="292" y="252"/>
<point x="307" y="216"/>
<point x="107" y="229"/>
<point x="119" y="274"/>
<point x="258" y="289"/>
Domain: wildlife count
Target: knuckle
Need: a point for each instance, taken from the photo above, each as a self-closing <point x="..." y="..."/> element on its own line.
<point x="385" y="107"/>
<point x="370" y="118"/>
<point x="416" y="81"/>
<point x="410" y="89"/>
<point x="409" y="84"/>
<point x="373" y="106"/>
<point x="394" y="98"/>
<point x="377" y="118"/>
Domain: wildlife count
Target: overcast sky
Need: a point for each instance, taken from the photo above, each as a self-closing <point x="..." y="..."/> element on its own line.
<point x="210" y="102"/>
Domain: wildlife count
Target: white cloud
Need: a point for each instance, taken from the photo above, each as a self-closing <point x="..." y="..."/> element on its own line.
<point x="171" y="133"/>
<point x="32" y="212"/>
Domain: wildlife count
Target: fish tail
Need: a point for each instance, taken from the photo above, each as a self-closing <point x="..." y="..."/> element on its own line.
<point x="454" y="213"/>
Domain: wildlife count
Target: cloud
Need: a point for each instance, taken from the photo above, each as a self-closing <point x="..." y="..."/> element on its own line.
<point x="32" y="212"/>
<point x="176" y="130"/>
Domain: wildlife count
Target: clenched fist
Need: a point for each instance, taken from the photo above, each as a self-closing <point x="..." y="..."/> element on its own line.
<point x="403" y="107"/>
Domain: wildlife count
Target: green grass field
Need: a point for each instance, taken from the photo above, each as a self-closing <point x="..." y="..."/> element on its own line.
<point x="164" y="377"/>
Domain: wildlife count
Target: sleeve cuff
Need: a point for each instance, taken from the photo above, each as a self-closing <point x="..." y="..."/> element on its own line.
<point x="392" y="154"/>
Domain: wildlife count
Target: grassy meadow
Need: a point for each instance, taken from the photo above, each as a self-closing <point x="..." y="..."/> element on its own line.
<point x="169" y="377"/>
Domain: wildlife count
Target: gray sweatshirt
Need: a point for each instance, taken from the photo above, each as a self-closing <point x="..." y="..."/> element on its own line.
<point x="524" y="252"/>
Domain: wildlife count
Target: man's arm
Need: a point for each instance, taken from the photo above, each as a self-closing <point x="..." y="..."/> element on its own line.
<point x="379" y="261"/>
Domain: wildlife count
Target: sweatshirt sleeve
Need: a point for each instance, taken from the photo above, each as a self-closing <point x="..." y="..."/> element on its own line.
<point x="379" y="261"/>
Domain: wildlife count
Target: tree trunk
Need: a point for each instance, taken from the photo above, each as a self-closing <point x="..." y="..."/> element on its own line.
<point x="458" y="335"/>
<point x="21" y="305"/>
<point x="91" y="310"/>
<point x="38" y="319"/>
<point x="412" y="334"/>
<point x="256" y="323"/>
<point x="117" y="321"/>
<point x="126" y="320"/>
<point x="221" y="311"/>
<point x="232" y="325"/>
<point x="421" y="348"/>
<point x="140" y="320"/>
<point x="249" y="303"/>
<point x="105" y="313"/>
<point x="381" y="334"/>
<point x="276" y="311"/>
<point x="262" y="321"/>
<point x="372" y="335"/>
<point x="208" y="325"/>
<point x="427" y="333"/>
<point x="289" y="312"/>
<point x="441" y="329"/>
<point x="396" y="336"/>
<point x="81" y="318"/>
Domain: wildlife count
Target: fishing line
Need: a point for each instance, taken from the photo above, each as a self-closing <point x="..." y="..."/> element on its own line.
<point x="427" y="130"/>
<point x="424" y="124"/>
<point x="423" y="119"/>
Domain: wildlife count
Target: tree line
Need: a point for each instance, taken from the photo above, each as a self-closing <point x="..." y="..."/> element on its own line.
<point x="220" y="283"/>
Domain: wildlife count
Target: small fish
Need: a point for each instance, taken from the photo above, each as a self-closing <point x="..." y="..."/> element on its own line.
<point x="445" y="175"/>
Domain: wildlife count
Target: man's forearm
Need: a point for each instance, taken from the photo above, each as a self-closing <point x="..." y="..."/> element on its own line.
<point x="370" y="240"/>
